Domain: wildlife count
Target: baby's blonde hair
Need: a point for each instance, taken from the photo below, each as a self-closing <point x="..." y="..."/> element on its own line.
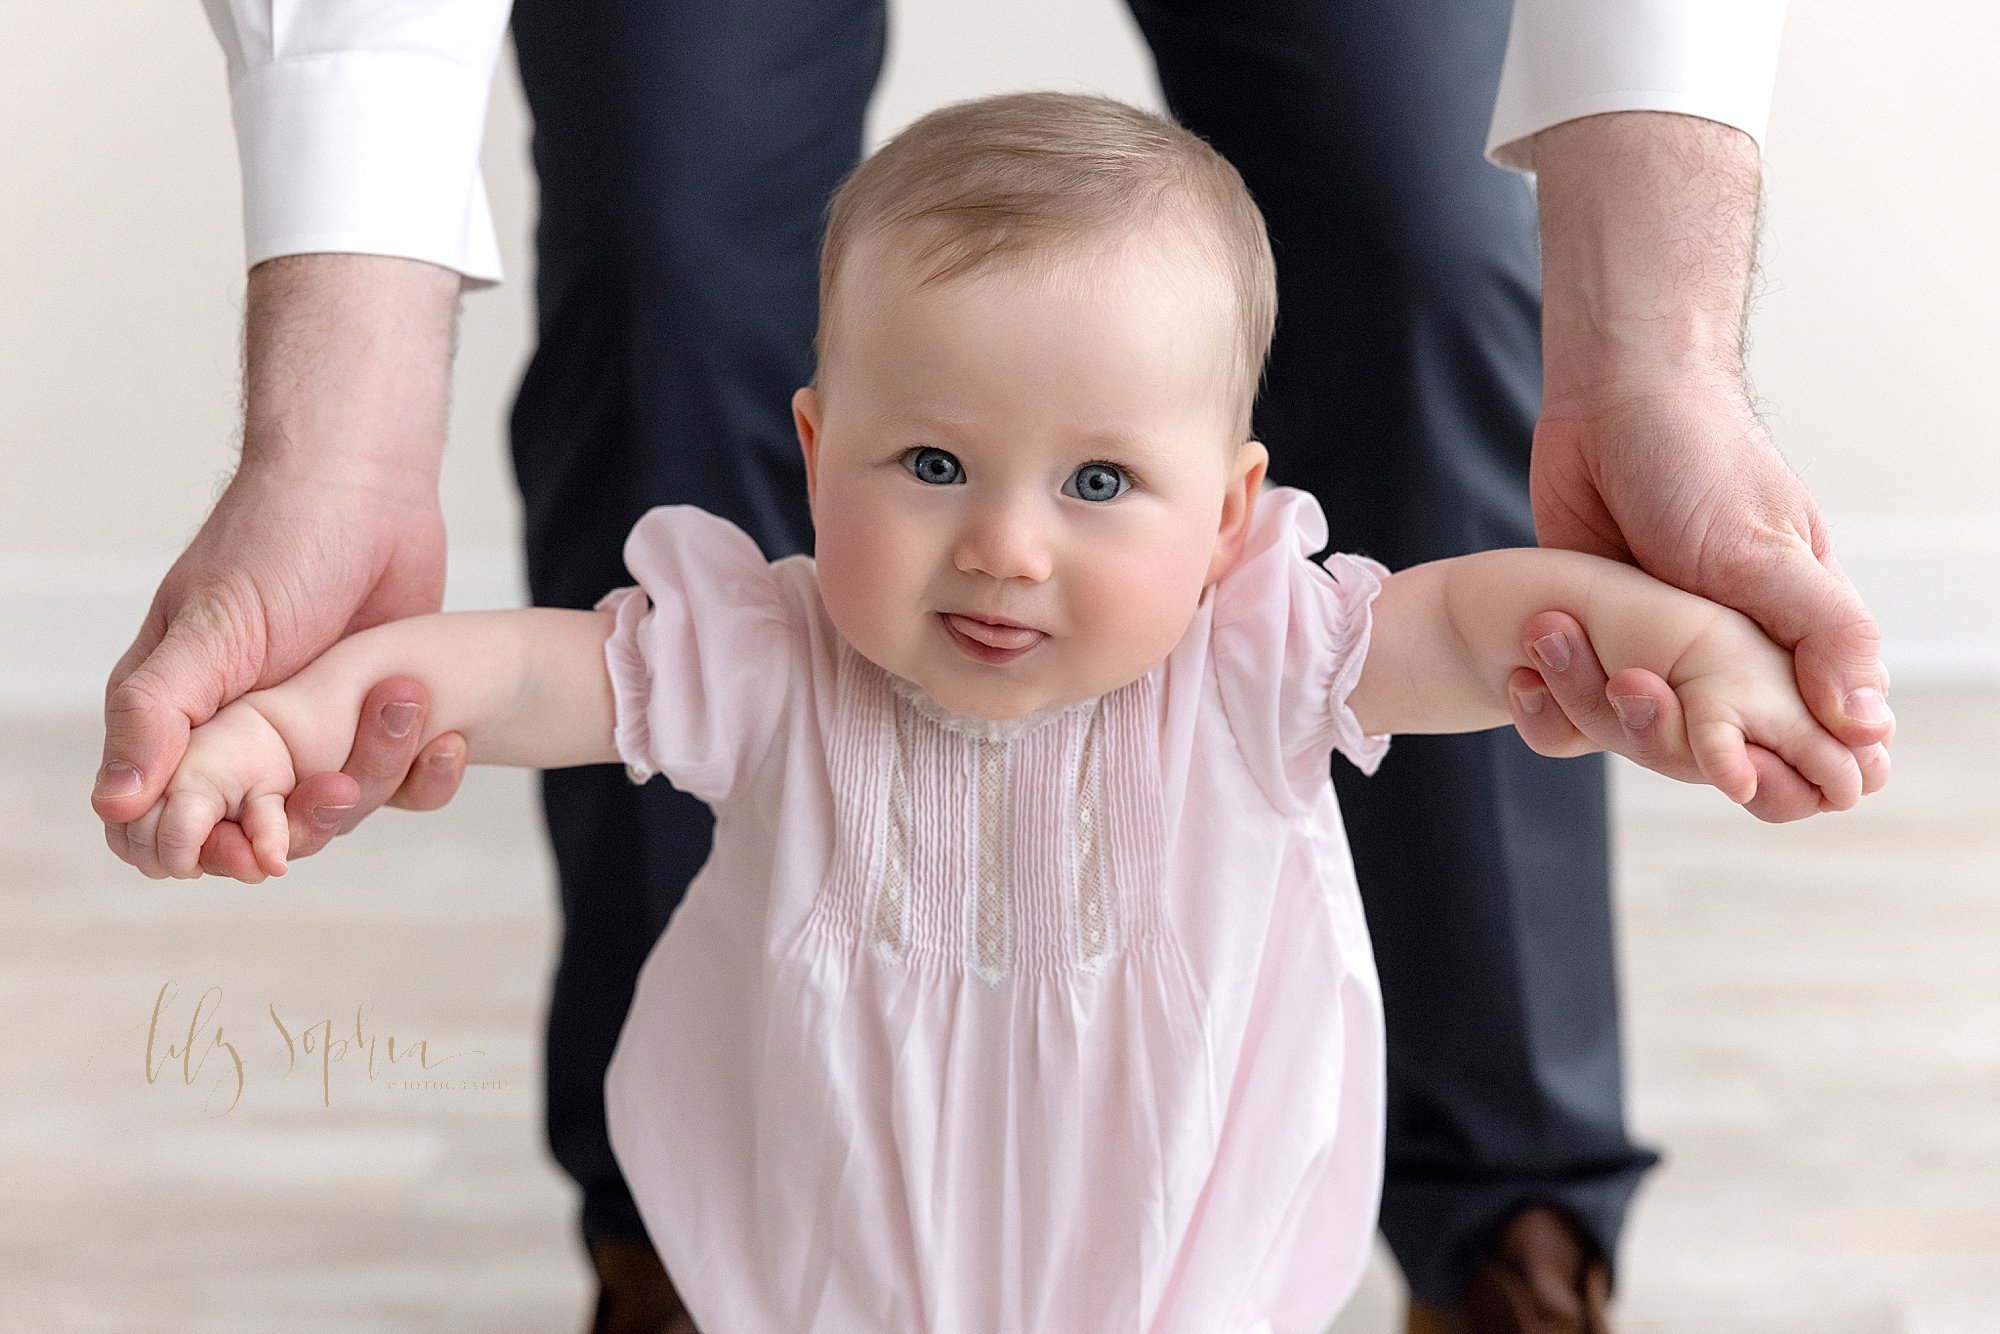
<point x="1031" y="176"/>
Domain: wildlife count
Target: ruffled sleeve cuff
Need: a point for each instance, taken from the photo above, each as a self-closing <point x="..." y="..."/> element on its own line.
<point x="703" y="651"/>
<point x="630" y="685"/>
<point x="1359" y="582"/>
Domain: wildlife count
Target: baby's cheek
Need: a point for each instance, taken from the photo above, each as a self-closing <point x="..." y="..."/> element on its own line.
<point x="1144" y="607"/>
<point x="864" y="570"/>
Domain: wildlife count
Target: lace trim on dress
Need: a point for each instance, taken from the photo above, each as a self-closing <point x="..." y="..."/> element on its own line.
<point x="1093" y="894"/>
<point x="980" y="729"/>
<point x="992" y="908"/>
<point x="892" y="900"/>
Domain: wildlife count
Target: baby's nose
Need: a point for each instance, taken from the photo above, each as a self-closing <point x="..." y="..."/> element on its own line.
<point x="1005" y="542"/>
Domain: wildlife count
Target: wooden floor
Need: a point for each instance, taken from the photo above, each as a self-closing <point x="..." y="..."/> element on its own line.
<point x="1813" y="1016"/>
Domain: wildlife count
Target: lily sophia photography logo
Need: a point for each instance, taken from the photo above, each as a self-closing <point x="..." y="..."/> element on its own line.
<point x="205" y="1052"/>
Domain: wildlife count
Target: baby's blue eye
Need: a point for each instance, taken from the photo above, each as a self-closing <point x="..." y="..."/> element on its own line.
<point x="1099" y="483"/>
<point x="933" y="467"/>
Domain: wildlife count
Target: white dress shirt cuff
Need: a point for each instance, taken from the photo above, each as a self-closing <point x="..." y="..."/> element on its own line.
<point x="373" y="153"/>
<point x="1716" y="59"/>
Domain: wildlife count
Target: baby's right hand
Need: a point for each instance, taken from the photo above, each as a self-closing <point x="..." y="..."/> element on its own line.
<point x="237" y="767"/>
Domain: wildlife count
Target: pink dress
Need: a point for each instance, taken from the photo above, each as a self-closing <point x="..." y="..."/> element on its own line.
<point x="1067" y="1025"/>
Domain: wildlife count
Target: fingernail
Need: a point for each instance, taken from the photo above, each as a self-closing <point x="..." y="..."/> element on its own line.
<point x="445" y="761"/>
<point x="117" y="779"/>
<point x="1867" y="705"/>
<point x="1532" y="700"/>
<point x="1634" y="711"/>
<point x="1553" y="650"/>
<point x="326" y="817"/>
<point x="397" y="717"/>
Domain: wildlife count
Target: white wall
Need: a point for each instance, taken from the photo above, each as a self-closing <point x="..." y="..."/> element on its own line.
<point x="121" y="292"/>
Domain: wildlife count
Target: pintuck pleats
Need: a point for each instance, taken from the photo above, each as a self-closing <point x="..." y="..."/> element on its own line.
<point x="1033" y="846"/>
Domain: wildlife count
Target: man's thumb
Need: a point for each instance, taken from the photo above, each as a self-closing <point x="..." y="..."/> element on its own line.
<point x="1841" y="678"/>
<point x="147" y="716"/>
<point x="1836" y="648"/>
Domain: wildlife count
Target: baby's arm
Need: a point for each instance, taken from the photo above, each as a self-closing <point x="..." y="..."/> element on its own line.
<point x="1447" y="637"/>
<point x="525" y="687"/>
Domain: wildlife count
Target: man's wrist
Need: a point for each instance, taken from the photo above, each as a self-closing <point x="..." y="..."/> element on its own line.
<point x="347" y="363"/>
<point x="1649" y="224"/>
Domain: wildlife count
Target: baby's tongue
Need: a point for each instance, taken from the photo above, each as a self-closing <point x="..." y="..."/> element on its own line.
<point x="996" y="636"/>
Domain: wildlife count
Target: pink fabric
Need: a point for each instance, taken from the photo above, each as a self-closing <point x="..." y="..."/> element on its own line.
<point x="1068" y="1024"/>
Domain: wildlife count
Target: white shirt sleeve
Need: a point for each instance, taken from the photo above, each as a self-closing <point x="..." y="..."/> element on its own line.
<point x="358" y="126"/>
<point x="1716" y="59"/>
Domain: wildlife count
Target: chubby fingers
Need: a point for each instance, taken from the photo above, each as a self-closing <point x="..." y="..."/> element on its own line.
<point x="165" y="842"/>
<point x="263" y="823"/>
<point x="1775" y="787"/>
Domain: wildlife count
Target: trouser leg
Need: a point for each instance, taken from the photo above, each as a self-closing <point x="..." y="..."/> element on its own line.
<point x="1402" y="391"/>
<point x="686" y="152"/>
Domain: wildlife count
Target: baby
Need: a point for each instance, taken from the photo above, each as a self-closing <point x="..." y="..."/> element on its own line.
<point x="1026" y="989"/>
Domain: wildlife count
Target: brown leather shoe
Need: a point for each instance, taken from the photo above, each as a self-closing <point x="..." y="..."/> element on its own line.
<point x="1544" y="1278"/>
<point x="634" y="1294"/>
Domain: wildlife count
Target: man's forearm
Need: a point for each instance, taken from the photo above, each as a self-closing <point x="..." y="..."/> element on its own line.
<point x="1649" y="227"/>
<point x="347" y="359"/>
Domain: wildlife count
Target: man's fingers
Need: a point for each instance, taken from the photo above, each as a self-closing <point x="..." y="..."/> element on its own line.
<point x="1655" y="729"/>
<point x="435" y="777"/>
<point x="228" y="852"/>
<point x="1782" y="795"/>
<point x="316" y="810"/>
<point x="1634" y="714"/>
<point x="1841" y="680"/>
<point x="1809" y="607"/>
<point x="324" y="805"/>
<point x="385" y="743"/>
<point x="1540" y="721"/>
<point x="1562" y="654"/>
<point x="383" y="768"/>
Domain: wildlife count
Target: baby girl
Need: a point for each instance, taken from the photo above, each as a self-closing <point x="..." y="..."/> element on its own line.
<point x="1026" y="988"/>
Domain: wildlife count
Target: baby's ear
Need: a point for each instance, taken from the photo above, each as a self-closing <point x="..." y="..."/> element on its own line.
<point x="1239" y="506"/>
<point x="805" y="419"/>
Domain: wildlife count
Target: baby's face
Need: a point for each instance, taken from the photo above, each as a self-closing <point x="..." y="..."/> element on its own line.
<point x="1054" y="451"/>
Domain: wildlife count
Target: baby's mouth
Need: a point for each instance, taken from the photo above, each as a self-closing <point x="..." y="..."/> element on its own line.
<point x="993" y="636"/>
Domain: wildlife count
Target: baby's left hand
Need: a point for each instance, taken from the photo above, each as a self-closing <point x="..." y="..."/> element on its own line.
<point x="1731" y="718"/>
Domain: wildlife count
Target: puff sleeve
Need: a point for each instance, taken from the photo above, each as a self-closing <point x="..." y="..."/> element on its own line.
<point x="701" y="654"/>
<point x="1288" y="641"/>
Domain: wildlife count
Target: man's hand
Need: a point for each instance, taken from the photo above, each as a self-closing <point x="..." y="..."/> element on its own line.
<point x="330" y="525"/>
<point x="1647" y="450"/>
<point x="1682" y="481"/>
